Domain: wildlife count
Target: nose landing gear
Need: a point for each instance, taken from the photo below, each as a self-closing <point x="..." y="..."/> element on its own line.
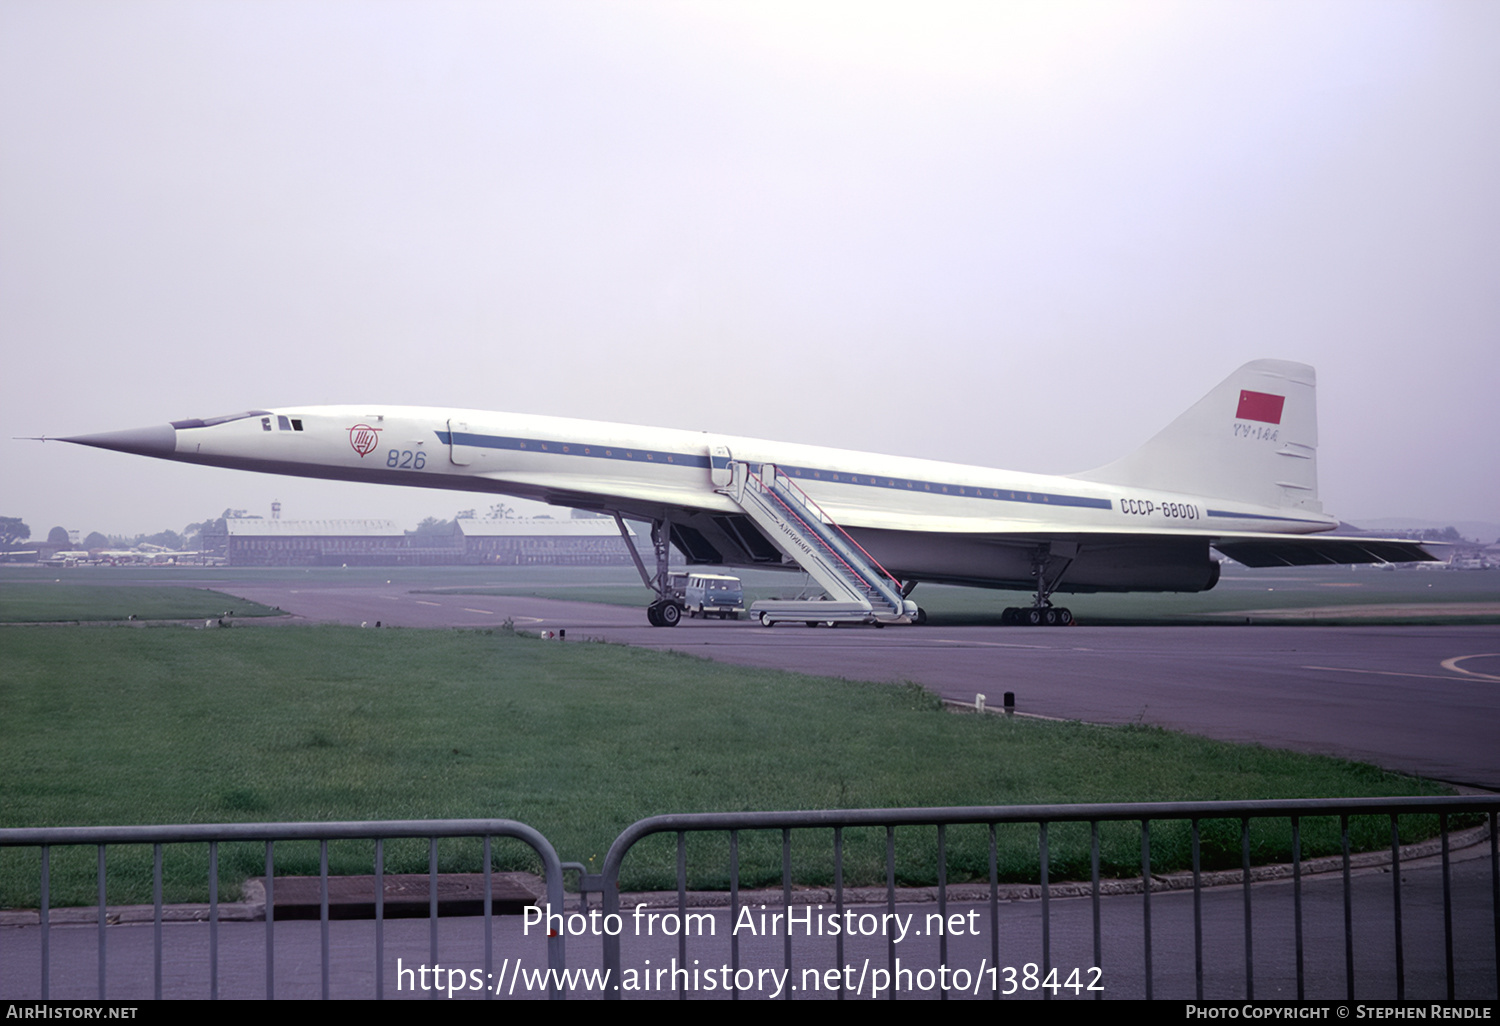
<point x="666" y="611"/>
<point x="664" y="614"/>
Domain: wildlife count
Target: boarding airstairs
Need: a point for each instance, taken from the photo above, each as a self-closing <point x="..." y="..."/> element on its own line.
<point x="859" y="588"/>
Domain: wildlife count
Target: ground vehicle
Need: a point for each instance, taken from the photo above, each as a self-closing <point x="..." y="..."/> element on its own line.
<point x="713" y="595"/>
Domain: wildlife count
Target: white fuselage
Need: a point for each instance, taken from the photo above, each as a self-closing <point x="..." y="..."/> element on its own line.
<point x="924" y="519"/>
<point x="628" y="467"/>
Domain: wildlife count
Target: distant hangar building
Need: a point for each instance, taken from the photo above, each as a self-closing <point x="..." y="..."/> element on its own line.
<point x="591" y="541"/>
<point x="471" y="542"/>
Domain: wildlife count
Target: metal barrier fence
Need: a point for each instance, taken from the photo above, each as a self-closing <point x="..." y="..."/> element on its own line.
<point x="1194" y="814"/>
<point x="1113" y="913"/>
<point x="213" y="835"/>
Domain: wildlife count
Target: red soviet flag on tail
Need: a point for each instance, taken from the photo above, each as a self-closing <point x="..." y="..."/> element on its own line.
<point x="1261" y="406"/>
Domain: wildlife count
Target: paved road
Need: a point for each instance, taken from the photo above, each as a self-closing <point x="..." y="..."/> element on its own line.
<point x="1422" y="700"/>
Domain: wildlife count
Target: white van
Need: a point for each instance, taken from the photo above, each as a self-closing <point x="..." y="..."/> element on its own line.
<point x="713" y="595"/>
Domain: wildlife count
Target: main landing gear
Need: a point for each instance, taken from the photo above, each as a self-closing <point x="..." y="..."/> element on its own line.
<point x="1042" y="612"/>
<point x="1037" y="616"/>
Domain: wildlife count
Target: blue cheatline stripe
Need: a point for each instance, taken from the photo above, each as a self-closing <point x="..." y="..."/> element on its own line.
<point x="598" y="452"/>
<point x="602" y="452"/>
<point x="1258" y="516"/>
<point x="938" y="488"/>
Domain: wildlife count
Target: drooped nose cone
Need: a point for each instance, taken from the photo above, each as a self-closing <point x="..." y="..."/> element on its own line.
<point x="149" y="441"/>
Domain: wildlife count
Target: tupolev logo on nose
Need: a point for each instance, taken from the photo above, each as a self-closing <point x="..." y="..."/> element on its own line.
<point x="364" y="438"/>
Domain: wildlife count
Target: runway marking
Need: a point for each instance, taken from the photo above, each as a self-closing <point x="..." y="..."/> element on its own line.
<point x="1452" y="664"/>
<point x="486" y="612"/>
<point x="987" y="644"/>
<point x="422" y="602"/>
<point x="1414" y="610"/>
<point x="1387" y="673"/>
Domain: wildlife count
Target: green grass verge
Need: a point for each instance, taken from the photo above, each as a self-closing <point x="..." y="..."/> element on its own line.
<point x="33" y="602"/>
<point x="172" y="725"/>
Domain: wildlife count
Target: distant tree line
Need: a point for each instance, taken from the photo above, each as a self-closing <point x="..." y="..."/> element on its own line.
<point x="13" y="532"/>
<point x="209" y="535"/>
<point x="1433" y="534"/>
<point x="433" y="531"/>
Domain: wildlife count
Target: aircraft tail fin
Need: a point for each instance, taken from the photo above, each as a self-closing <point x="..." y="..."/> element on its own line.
<point x="1253" y="439"/>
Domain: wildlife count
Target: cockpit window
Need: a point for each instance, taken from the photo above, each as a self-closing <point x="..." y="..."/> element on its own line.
<point x="211" y="421"/>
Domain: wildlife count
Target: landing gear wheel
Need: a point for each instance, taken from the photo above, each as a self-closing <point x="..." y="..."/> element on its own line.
<point x="670" y="614"/>
<point x="1049" y="617"/>
<point x="1065" y="618"/>
<point x="653" y="614"/>
<point x="1031" y="617"/>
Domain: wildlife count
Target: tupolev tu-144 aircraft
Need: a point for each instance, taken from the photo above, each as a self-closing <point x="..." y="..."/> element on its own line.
<point x="1236" y="473"/>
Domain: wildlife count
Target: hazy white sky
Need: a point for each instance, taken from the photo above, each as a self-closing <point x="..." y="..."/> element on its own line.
<point x="1023" y="235"/>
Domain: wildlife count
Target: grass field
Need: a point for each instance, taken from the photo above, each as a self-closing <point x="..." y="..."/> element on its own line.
<point x="33" y="602"/>
<point x="171" y="725"/>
